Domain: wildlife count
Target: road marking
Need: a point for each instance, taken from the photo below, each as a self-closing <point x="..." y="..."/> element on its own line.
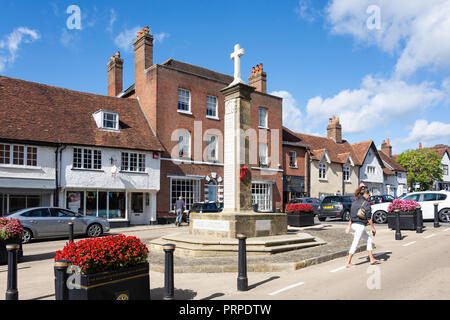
<point x="447" y="229"/>
<point x="287" y="288"/>
<point x="338" y="269"/>
<point x="409" y="243"/>
<point x="431" y="235"/>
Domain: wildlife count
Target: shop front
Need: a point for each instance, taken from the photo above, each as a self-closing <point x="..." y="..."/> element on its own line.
<point x="293" y="187"/>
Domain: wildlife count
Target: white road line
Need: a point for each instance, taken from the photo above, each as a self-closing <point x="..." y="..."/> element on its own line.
<point x="338" y="269"/>
<point x="287" y="288"/>
<point x="447" y="229"/>
<point x="431" y="235"/>
<point x="409" y="243"/>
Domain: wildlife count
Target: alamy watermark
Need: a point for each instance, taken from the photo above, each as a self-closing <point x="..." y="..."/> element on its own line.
<point x="374" y="20"/>
<point x="374" y="281"/>
<point x="74" y="20"/>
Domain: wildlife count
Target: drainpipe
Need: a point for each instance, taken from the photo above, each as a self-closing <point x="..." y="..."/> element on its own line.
<point x="343" y="181"/>
<point x="308" y="172"/>
<point x="58" y="170"/>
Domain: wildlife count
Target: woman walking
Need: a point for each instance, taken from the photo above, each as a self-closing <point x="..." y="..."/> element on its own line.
<point x="360" y="215"/>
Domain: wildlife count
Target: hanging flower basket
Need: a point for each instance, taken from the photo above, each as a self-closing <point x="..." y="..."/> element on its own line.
<point x="108" y="268"/>
<point x="406" y="209"/>
<point x="11" y="231"/>
<point x="300" y="214"/>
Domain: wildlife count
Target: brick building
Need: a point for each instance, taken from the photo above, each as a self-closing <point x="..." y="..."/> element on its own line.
<point x="185" y="108"/>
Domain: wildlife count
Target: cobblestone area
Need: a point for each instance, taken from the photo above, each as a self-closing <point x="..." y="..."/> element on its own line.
<point x="338" y="243"/>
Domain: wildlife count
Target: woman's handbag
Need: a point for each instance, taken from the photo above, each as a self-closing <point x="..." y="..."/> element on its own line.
<point x="362" y="212"/>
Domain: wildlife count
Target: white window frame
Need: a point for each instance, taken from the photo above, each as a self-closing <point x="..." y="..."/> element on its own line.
<point x="114" y="121"/>
<point x="293" y="155"/>
<point x="24" y="159"/>
<point x="264" y="196"/>
<point x="346" y="172"/>
<point x="263" y="158"/>
<point x="216" y="115"/>
<point x="371" y="170"/>
<point x="189" y="199"/>
<point x="188" y="92"/>
<point x="93" y="159"/>
<point x="323" y="170"/>
<point x="266" y="113"/>
<point x="445" y="169"/>
<point x="212" y="146"/>
<point x="129" y="158"/>
<point x="186" y="135"/>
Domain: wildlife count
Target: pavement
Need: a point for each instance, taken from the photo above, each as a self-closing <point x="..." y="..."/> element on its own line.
<point x="416" y="267"/>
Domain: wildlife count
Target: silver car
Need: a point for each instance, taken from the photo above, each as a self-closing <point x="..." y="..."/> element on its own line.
<point x="48" y="222"/>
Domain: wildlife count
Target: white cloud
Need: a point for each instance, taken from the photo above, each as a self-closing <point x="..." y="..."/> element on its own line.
<point x="112" y="20"/>
<point x="416" y="30"/>
<point x="376" y="103"/>
<point x="161" y="36"/>
<point x="427" y="132"/>
<point x="11" y="43"/>
<point x="292" y="115"/>
<point x="306" y="11"/>
<point x="125" y="39"/>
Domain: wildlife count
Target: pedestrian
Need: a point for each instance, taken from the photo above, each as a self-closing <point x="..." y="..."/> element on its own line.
<point x="179" y="209"/>
<point x="360" y="215"/>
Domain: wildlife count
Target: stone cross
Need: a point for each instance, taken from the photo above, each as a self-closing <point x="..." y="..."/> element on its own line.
<point x="236" y="56"/>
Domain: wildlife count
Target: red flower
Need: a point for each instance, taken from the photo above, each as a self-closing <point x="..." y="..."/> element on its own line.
<point x="299" y="207"/>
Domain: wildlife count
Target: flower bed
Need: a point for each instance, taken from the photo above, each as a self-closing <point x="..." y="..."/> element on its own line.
<point x="113" y="267"/>
<point x="300" y="214"/>
<point x="407" y="211"/>
<point x="11" y="231"/>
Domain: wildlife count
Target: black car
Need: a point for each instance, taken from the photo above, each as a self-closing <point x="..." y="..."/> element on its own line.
<point x="205" y="207"/>
<point x="314" y="202"/>
<point x="380" y="199"/>
<point x="335" y="207"/>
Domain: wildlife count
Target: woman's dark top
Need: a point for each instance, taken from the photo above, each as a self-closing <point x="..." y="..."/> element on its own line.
<point x="361" y="202"/>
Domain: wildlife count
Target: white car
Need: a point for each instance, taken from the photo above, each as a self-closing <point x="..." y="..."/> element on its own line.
<point x="426" y="199"/>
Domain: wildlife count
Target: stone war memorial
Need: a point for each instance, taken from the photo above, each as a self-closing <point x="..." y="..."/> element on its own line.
<point x="214" y="234"/>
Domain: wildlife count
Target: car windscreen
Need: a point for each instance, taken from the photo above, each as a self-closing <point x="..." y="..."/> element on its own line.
<point x="331" y="199"/>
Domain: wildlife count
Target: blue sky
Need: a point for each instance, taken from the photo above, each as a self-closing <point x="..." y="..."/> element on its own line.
<point x="384" y="71"/>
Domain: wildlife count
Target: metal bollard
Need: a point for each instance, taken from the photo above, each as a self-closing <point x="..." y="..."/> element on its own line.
<point x="419" y="226"/>
<point x="71" y="231"/>
<point x="398" y="233"/>
<point x="242" y="281"/>
<point x="169" y="291"/>
<point x="12" y="293"/>
<point x="436" y="215"/>
<point x="61" y="289"/>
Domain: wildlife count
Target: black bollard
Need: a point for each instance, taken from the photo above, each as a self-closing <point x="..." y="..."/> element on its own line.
<point x="398" y="233"/>
<point x="419" y="226"/>
<point x="61" y="289"/>
<point x="436" y="215"/>
<point x="12" y="293"/>
<point x="71" y="231"/>
<point x="242" y="281"/>
<point x="168" y="272"/>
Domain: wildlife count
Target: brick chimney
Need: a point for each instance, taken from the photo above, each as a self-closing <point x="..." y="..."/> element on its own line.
<point x="143" y="57"/>
<point x="258" y="79"/>
<point x="115" y="75"/>
<point x="334" y="130"/>
<point x="386" y="148"/>
<point x="420" y="145"/>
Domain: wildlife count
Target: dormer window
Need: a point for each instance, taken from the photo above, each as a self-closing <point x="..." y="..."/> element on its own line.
<point x="107" y="120"/>
<point x="110" y="120"/>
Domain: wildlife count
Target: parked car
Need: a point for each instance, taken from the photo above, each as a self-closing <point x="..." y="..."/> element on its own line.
<point x="204" y="207"/>
<point x="314" y="202"/>
<point x="380" y="199"/>
<point x="52" y="222"/>
<point x="426" y="199"/>
<point x="335" y="207"/>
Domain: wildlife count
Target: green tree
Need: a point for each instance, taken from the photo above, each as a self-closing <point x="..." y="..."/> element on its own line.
<point x="423" y="166"/>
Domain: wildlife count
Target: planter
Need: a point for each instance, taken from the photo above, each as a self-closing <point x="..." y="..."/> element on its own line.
<point x="126" y="284"/>
<point x="300" y="219"/>
<point x="408" y="220"/>
<point x="4" y="252"/>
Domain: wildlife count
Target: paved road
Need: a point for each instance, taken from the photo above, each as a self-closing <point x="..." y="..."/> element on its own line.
<point x="415" y="268"/>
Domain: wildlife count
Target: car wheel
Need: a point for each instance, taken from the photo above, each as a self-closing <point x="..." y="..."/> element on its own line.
<point x="444" y="215"/>
<point x="346" y="216"/>
<point x="27" y="235"/>
<point x="94" y="230"/>
<point x="322" y="219"/>
<point x="380" y="217"/>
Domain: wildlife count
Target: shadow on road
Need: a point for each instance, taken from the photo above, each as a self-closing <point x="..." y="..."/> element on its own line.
<point x="213" y="296"/>
<point x="384" y="256"/>
<point x="179" y="294"/>
<point x="253" y="286"/>
<point x="38" y="257"/>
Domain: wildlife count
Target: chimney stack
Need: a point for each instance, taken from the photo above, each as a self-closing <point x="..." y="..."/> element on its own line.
<point x="143" y="57"/>
<point x="258" y="79"/>
<point x="334" y="130"/>
<point x="420" y="145"/>
<point x="386" y="148"/>
<point x="115" y="75"/>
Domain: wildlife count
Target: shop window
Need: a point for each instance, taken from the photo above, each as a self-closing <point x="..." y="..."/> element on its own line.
<point x="262" y="195"/>
<point x="186" y="188"/>
<point x="75" y="201"/>
<point x="116" y="205"/>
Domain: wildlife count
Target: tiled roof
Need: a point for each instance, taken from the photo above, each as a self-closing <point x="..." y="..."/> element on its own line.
<point x="334" y="150"/>
<point x="289" y="138"/>
<point x="36" y="112"/>
<point x="440" y="149"/>
<point x="186" y="67"/>
<point x="361" y="149"/>
<point x="391" y="162"/>
<point x="388" y="172"/>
